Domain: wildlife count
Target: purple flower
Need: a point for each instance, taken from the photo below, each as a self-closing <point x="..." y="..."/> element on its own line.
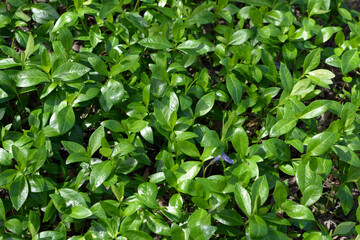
<point x="224" y="157"/>
<point x="277" y="65"/>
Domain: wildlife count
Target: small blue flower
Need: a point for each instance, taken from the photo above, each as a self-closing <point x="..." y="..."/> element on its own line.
<point x="224" y="157"/>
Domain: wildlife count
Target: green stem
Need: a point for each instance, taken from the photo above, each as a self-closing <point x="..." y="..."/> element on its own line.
<point x="136" y="5"/>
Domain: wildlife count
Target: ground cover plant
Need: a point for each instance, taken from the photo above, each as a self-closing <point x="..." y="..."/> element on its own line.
<point x="179" y="119"/>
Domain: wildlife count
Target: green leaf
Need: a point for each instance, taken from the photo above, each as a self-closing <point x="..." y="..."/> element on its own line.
<point x="240" y="36"/>
<point x="346" y="198"/>
<point x="286" y="78"/>
<point x="80" y="212"/>
<point x="5" y="158"/>
<point x="312" y="60"/>
<point x="112" y="94"/>
<point x="137" y="235"/>
<point x="240" y="141"/>
<point x="29" y="46"/>
<point x="344" y="229"/>
<point x="283" y="126"/>
<point x="234" y="87"/>
<point x="4" y="20"/>
<point x="30" y="77"/>
<point x="277" y="148"/>
<point x="21" y="156"/>
<point x="72" y="197"/>
<point x="320" y="143"/>
<point x="355" y="28"/>
<point x="202" y="232"/>
<point x="108" y="9"/>
<point x="347" y="155"/>
<point x="98" y="65"/>
<point x="350" y="61"/>
<point x="302" y="87"/>
<point x="191" y="47"/>
<point x="203" y="79"/>
<point x="298" y="211"/>
<point x="311" y="194"/>
<point x="73" y="147"/>
<point x="348" y="114"/>
<point x="187" y="170"/>
<point x="19" y="191"/>
<point x="257" y="227"/>
<point x="315" y="108"/>
<point x="205" y="104"/>
<point x="8" y="63"/>
<point x="138" y="21"/>
<point x="156" y="225"/>
<point x="66" y="19"/>
<point x="95" y="140"/>
<point x="280" y="193"/>
<point x="243" y="199"/>
<point x="229" y="217"/>
<point x="70" y="71"/>
<point x="14" y="225"/>
<point x="188" y="148"/>
<point x="156" y="42"/>
<point x="177" y="232"/>
<point x="60" y="122"/>
<point x="147" y="194"/>
<point x="7" y="176"/>
<point x="259" y="192"/>
<point x="43" y="12"/>
<point x="289" y="52"/>
<point x="192" y="188"/>
<point x="2" y="211"/>
<point x="100" y="172"/>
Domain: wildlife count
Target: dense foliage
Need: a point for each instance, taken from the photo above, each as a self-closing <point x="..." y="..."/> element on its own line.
<point x="179" y="119"/>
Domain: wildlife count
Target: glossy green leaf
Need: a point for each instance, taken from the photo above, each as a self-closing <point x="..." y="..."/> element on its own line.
<point x="312" y="60"/>
<point x="187" y="170"/>
<point x="344" y="228"/>
<point x="350" y="61"/>
<point x="298" y="211"/>
<point x="205" y="104"/>
<point x="70" y="71"/>
<point x="28" y="78"/>
<point x="137" y="235"/>
<point x="346" y="199"/>
<point x="111" y="94"/>
<point x="100" y="173"/>
<point x="188" y="148"/>
<point x="241" y="36"/>
<point x="243" y="199"/>
<point x="257" y="227"/>
<point x="234" y="87"/>
<point x="19" y="191"/>
<point x="311" y="194"/>
<point x="320" y="143"/>
<point x="280" y="193"/>
<point x="155" y="42"/>
<point x="347" y="155"/>
<point x="259" y="191"/>
<point x="60" y="122"/>
<point x="229" y="217"/>
<point x="283" y="126"/>
<point x="5" y="157"/>
<point x="147" y="194"/>
<point x="95" y="140"/>
<point x="240" y="141"/>
<point x="316" y="108"/>
<point x="80" y="212"/>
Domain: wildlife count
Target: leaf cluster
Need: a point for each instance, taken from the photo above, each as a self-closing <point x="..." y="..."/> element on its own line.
<point x="177" y="119"/>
